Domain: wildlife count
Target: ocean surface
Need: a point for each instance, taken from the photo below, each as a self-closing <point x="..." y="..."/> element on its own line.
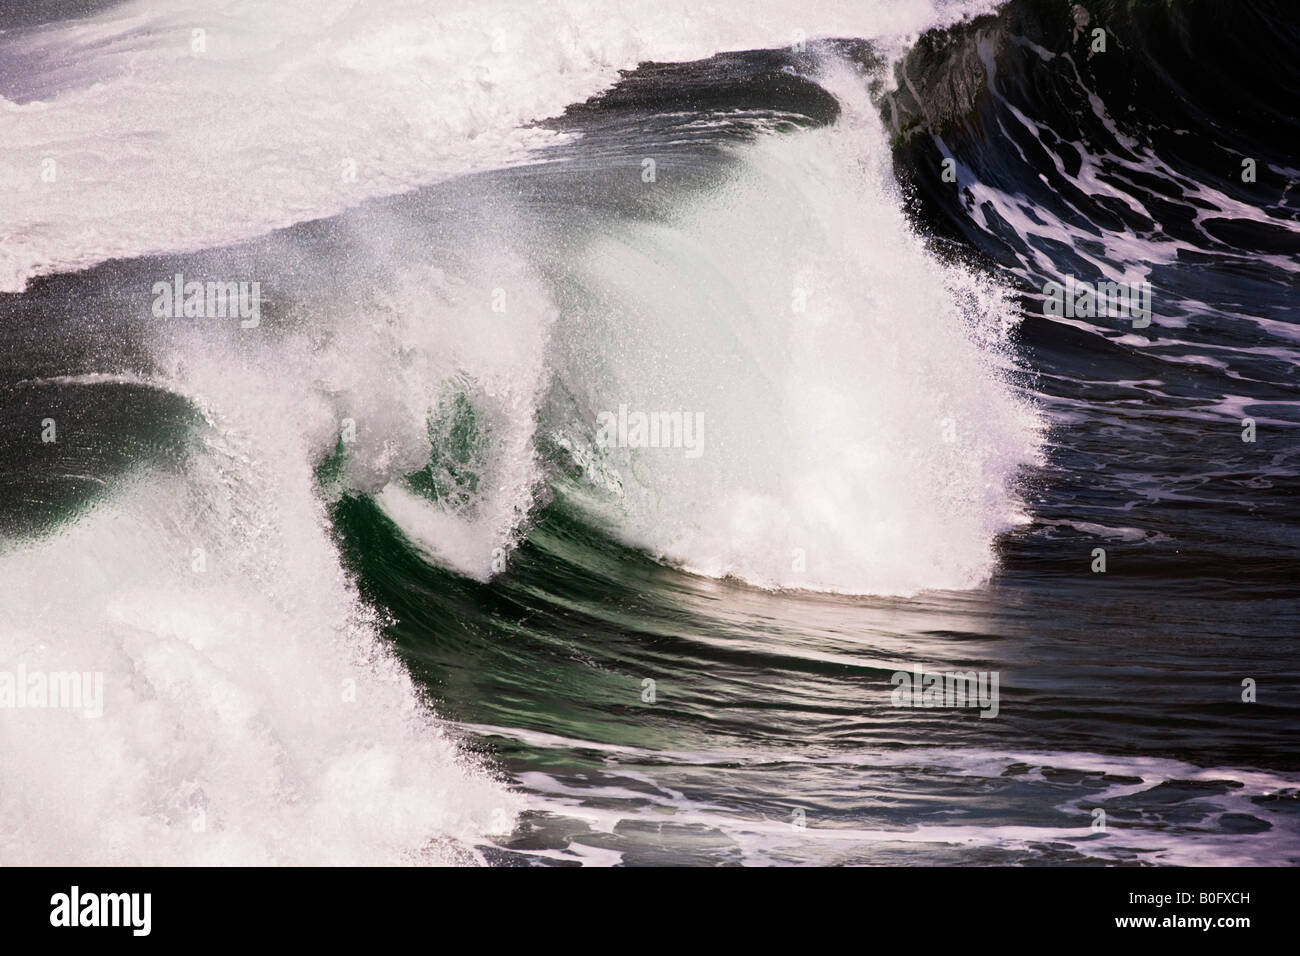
<point x="368" y="576"/>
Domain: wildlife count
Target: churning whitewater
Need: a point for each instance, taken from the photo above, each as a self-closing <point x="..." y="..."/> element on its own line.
<point x="250" y="692"/>
<point x="491" y="432"/>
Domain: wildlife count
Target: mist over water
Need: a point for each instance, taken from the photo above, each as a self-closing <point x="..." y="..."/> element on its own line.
<point x="363" y="582"/>
<point x="834" y="361"/>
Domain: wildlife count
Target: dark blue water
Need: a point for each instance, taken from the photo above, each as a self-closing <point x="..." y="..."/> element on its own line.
<point x="621" y="641"/>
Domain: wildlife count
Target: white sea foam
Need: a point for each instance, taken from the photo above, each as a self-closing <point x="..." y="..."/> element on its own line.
<point x="159" y="147"/>
<point x="250" y="714"/>
<point x="228" y="733"/>
<point x="861" y="435"/>
<point x="623" y="796"/>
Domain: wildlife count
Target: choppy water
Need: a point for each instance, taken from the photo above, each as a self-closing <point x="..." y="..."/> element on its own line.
<point x="365" y="586"/>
